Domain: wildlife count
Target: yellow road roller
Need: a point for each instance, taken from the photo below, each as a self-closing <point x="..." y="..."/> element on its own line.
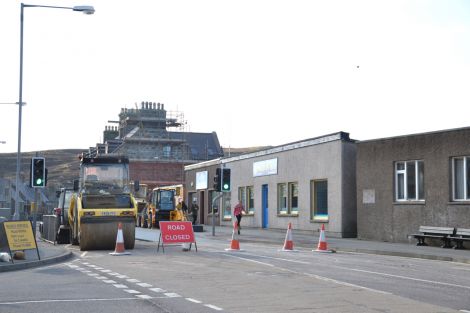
<point x="102" y="200"/>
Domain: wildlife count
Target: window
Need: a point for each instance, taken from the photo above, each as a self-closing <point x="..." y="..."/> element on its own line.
<point x="250" y="205"/>
<point x="461" y="178"/>
<point x="227" y="209"/>
<point x="282" y="199"/>
<point x="320" y="200"/>
<point x="409" y="181"/>
<point x="242" y="195"/>
<point x="288" y="196"/>
<point x="247" y="197"/>
<point x="166" y="151"/>
<point x="293" y="198"/>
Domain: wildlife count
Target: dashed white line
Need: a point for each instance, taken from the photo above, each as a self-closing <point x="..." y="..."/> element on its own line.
<point x="121" y="286"/>
<point x="114" y="274"/>
<point x="172" y="295"/>
<point x="157" y="290"/>
<point x="101" y="277"/>
<point x="122" y="276"/>
<point x="93" y="274"/>
<point x="109" y="281"/>
<point x="193" y="300"/>
<point x="213" y="307"/>
<point x="83" y="254"/>
<point x="144" y="296"/>
<point x="145" y="285"/>
<point x="132" y="291"/>
<point x="105" y="271"/>
<point x="133" y="280"/>
<point x="465" y="311"/>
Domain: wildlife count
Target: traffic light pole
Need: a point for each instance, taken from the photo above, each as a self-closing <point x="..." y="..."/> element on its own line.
<point x="220" y="194"/>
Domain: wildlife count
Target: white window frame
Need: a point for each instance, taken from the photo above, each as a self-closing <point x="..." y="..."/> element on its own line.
<point x="405" y="180"/>
<point x="465" y="182"/>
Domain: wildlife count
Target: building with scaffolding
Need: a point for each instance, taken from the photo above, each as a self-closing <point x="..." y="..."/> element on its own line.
<point x="157" y="144"/>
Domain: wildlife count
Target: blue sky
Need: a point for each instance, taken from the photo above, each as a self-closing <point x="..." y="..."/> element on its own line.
<point x="256" y="72"/>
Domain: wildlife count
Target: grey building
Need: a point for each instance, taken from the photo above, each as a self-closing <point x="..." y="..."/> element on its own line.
<point x="307" y="183"/>
<point x="407" y="181"/>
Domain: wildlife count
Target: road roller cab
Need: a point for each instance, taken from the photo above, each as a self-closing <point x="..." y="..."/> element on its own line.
<point x="102" y="200"/>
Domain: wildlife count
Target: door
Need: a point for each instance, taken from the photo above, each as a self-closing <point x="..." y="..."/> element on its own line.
<point x="202" y="209"/>
<point x="264" y="206"/>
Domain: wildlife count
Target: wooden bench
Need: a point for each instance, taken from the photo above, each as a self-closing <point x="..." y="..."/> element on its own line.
<point x="461" y="235"/>
<point x="443" y="233"/>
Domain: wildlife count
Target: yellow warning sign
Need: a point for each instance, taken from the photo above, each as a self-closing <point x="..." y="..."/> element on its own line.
<point x="20" y="235"/>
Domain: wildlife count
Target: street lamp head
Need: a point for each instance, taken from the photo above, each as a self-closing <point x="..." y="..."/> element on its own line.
<point x="86" y="9"/>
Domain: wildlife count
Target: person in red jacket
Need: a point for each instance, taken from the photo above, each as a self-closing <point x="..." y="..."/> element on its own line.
<point x="238" y="211"/>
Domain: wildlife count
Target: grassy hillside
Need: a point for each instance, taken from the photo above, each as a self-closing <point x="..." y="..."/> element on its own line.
<point x="62" y="165"/>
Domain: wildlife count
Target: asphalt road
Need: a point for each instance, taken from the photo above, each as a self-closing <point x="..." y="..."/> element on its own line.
<point x="258" y="279"/>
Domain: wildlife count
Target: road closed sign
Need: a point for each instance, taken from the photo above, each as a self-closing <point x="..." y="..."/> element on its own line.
<point x="176" y="233"/>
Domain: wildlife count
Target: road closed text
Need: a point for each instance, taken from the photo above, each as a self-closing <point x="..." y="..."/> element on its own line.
<point x="177" y="232"/>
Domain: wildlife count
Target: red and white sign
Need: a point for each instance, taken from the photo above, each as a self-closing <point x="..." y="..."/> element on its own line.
<point x="176" y="232"/>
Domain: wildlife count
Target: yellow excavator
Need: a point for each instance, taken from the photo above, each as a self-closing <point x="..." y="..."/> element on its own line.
<point x="102" y="199"/>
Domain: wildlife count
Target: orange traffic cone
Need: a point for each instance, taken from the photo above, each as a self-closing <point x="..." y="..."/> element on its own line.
<point x="322" y="245"/>
<point x="119" y="250"/>
<point x="235" y="244"/>
<point x="288" y="243"/>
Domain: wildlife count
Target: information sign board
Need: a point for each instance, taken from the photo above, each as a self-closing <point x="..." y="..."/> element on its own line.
<point x="20" y="236"/>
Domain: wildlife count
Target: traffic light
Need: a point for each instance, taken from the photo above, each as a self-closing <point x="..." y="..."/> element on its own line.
<point x="38" y="172"/>
<point x="226" y="179"/>
<point x="217" y="186"/>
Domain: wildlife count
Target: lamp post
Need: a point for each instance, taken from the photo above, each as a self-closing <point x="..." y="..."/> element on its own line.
<point x="85" y="9"/>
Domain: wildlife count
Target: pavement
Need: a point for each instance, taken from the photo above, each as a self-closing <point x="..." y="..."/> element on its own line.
<point x="50" y="254"/>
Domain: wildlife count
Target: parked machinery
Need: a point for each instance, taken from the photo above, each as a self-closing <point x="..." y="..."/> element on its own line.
<point x="103" y="199"/>
<point x="140" y="196"/>
<point x="55" y="227"/>
<point x="163" y="205"/>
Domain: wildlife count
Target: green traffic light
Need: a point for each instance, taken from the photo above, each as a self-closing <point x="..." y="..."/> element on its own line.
<point x="226" y="186"/>
<point x="38" y="181"/>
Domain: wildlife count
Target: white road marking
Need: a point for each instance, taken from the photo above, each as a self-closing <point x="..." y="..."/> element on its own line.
<point x="93" y="274"/>
<point x="99" y="268"/>
<point x="66" y="300"/>
<point x="172" y="295"/>
<point x="249" y="260"/>
<point x="133" y="280"/>
<point x="280" y="259"/>
<point x="105" y="271"/>
<point x="406" y="277"/>
<point x="73" y="266"/>
<point x="144" y="296"/>
<point x="465" y="311"/>
<point x="86" y="263"/>
<point x="120" y="286"/>
<point x="83" y="254"/>
<point x="145" y="285"/>
<point x="312" y="275"/>
<point x="131" y="291"/>
<point x="101" y="277"/>
<point x="109" y="281"/>
<point x="213" y="307"/>
<point x="114" y="274"/>
<point x="86" y="271"/>
<point x="157" y="290"/>
<point x="121" y="276"/>
<point x="193" y="300"/>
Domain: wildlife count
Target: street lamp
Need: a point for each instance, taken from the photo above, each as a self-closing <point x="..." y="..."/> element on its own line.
<point x="85" y="9"/>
